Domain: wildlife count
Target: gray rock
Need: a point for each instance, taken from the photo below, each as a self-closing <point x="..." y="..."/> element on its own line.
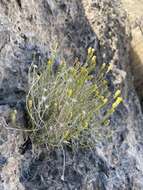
<point x="30" y="28"/>
<point x="3" y="160"/>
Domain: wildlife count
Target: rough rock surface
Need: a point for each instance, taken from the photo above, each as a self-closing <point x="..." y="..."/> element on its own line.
<point x="134" y="11"/>
<point x="30" y="28"/>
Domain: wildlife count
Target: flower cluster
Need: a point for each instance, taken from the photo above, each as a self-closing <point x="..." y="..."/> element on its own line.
<point x="72" y="105"/>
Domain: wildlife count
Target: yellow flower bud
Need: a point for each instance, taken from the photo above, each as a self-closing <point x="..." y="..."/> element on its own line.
<point x="66" y="135"/>
<point x="85" y="125"/>
<point x="106" y="122"/>
<point x="105" y="100"/>
<point x="110" y="67"/>
<point x="69" y="92"/>
<point x="117" y="93"/>
<point x="93" y="50"/>
<point x="102" y="98"/>
<point x="93" y="60"/>
<point x="97" y="92"/>
<point x="117" y="102"/>
<point x="49" y="62"/>
<point x="89" y="50"/>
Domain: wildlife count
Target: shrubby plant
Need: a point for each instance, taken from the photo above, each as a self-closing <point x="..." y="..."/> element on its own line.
<point x="70" y="105"/>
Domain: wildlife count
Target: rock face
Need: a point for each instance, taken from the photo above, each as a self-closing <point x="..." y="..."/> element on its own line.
<point x="134" y="10"/>
<point x="31" y="28"/>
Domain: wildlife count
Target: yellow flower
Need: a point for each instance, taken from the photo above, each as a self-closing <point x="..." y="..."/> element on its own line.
<point x="105" y="100"/>
<point x="110" y="67"/>
<point x="93" y="60"/>
<point x="66" y="135"/>
<point x="106" y="122"/>
<point x="102" y="98"/>
<point x="85" y="125"/>
<point x="117" y="102"/>
<point x="49" y="62"/>
<point x="117" y="93"/>
<point x="90" y="51"/>
<point x="69" y="92"/>
<point x="97" y="92"/>
<point x="93" y="50"/>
